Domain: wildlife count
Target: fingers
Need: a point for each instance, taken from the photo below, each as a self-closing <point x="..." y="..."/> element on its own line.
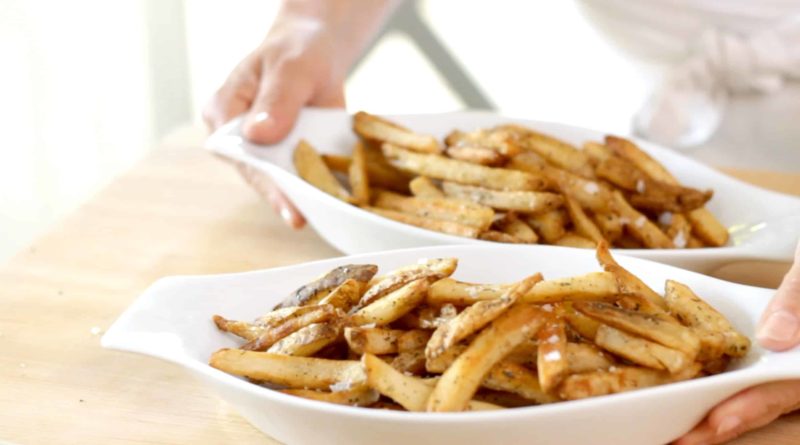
<point x="235" y="96"/>
<point x="267" y="190"/>
<point x="779" y="328"/>
<point x="745" y="411"/>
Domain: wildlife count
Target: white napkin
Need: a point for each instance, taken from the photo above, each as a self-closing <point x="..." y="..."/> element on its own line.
<point x="688" y="106"/>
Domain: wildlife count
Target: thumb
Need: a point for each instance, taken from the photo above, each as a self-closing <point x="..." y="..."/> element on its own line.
<point x="274" y="111"/>
<point x="779" y="328"/>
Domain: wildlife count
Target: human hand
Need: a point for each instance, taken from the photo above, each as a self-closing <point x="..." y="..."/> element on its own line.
<point x="303" y="61"/>
<point x="779" y="330"/>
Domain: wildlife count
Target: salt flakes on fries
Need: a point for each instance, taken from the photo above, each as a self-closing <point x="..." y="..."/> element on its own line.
<point x="416" y="339"/>
<point x="556" y="193"/>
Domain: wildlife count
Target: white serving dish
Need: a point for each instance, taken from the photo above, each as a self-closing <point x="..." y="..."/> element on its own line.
<point x="765" y="224"/>
<point x="172" y="321"/>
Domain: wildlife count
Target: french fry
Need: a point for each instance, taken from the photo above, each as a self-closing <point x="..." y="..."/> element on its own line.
<point x="650" y="327"/>
<point x="499" y="237"/>
<point x="510" y="224"/>
<point x="360" y="396"/>
<point x="359" y="178"/>
<point x="423" y="187"/>
<point x="559" y="153"/>
<point x="410" y="362"/>
<point x="319" y="288"/>
<point x="550" y="225"/>
<point x="679" y="230"/>
<point x="581" y="222"/>
<point x="289" y="371"/>
<point x="412" y="393"/>
<point x="583" y="325"/>
<point x="459" y="383"/>
<point x="373" y="127"/>
<point x="345" y="296"/>
<point x="572" y="239"/>
<point x="513" y="378"/>
<point x="592" y="286"/>
<point x="639" y="226"/>
<point x="498" y="140"/>
<point x="311" y="167"/>
<point x="243" y="329"/>
<point x="596" y="151"/>
<point x="627" y="282"/>
<point x="436" y="225"/>
<point x="696" y="313"/>
<point x="308" y="340"/>
<point x="552" y="365"/>
<point x="392" y="306"/>
<point x="381" y="341"/>
<point x="439" y="167"/>
<point x="585" y="357"/>
<point x="706" y="226"/>
<point x="521" y="201"/>
<point x="379" y="172"/>
<point x="476" y="155"/>
<point x="618" y="379"/>
<point x="461" y="212"/>
<point x="270" y="336"/>
<point x="610" y="226"/>
<point x="640" y="351"/>
<point x="429" y="269"/>
<point x="450" y="291"/>
<point x="589" y="193"/>
<point x="475" y="317"/>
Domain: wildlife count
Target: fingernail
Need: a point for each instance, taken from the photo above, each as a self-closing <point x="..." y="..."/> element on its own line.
<point x="780" y="326"/>
<point x="259" y="117"/>
<point x="728" y="424"/>
<point x="286" y="215"/>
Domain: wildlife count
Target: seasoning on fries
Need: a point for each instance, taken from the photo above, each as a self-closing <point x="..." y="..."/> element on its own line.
<point x="416" y="339"/>
<point x="554" y="192"/>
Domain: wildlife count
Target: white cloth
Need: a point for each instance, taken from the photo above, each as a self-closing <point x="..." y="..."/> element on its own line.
<point x="688" y="106"/>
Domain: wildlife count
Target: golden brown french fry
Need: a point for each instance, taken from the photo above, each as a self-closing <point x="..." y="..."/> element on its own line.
<point x="639" y="226"/>
<point x="585" y="357"/>
<point x="459" y="383"/>
<point x="319" y="288"/>
<point x="499" y="237"/>
<point x="559" y="153"/>
<point x="704" y="223"/>
<point x="457" y="211"/>
<point x="551" y="363"/>
<point x="591" y="286"/>
<point x="476" y="155"/>
<point x="596" y="151"/>
<point x="308" y="340"/>
<point x="439" y="167"/>
<point x="522" y="201"/>
<point x="243" y="329"/>
<point x="589" y="193"/>
<point x="451" y="291"/>
<point x="610" y="226"/>
<point x="345" y="296"/>
<point x="392" y="306"/>
<point x="516" y="379"/>
<point x="696" y="313"/>
<point x="583" y="325"/>
<point x="289" y="371"/>
<point x="337" y="163"/>
<point x="373" y="127"/>
<point x="310" y="167"/>
<point x="359" y="396"/>
<point x="679" y="230"/>
<point x="271" y="335"/>
<point x="412" y="393"/>
<point x="706" y="226"/>
<point x="581" y="222"/>
<point x="550" y="225"/>
<point x="448" y="227"/>
<point x="628" y="283"/>
<point x="572" y="239"/>
<point x="423" y="187"/>
<point x="510" y="224"/>
<point x="410" y="362"/>
<point x="381" y="341"/>
<point x="618" y="379"/>
<point x="380" y="172"/>
<point x="640" y="351"/>
<point x="440" y="363"/>
<point x="357" y="173"/>
<point x="475" y="317"/>
<point x="650" y="327"/>
<point x="497" y="139"/>
<point x="428" y="269"/>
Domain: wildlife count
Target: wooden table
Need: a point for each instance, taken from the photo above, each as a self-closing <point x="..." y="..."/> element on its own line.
<point x="178" y="212"/>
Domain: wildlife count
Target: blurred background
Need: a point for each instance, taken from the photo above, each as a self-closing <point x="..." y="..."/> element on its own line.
<point x="89" y="86"/>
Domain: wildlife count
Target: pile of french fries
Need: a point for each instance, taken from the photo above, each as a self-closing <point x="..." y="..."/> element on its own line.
<point x="416" y="339"/>
<point x="515" y="185"/>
